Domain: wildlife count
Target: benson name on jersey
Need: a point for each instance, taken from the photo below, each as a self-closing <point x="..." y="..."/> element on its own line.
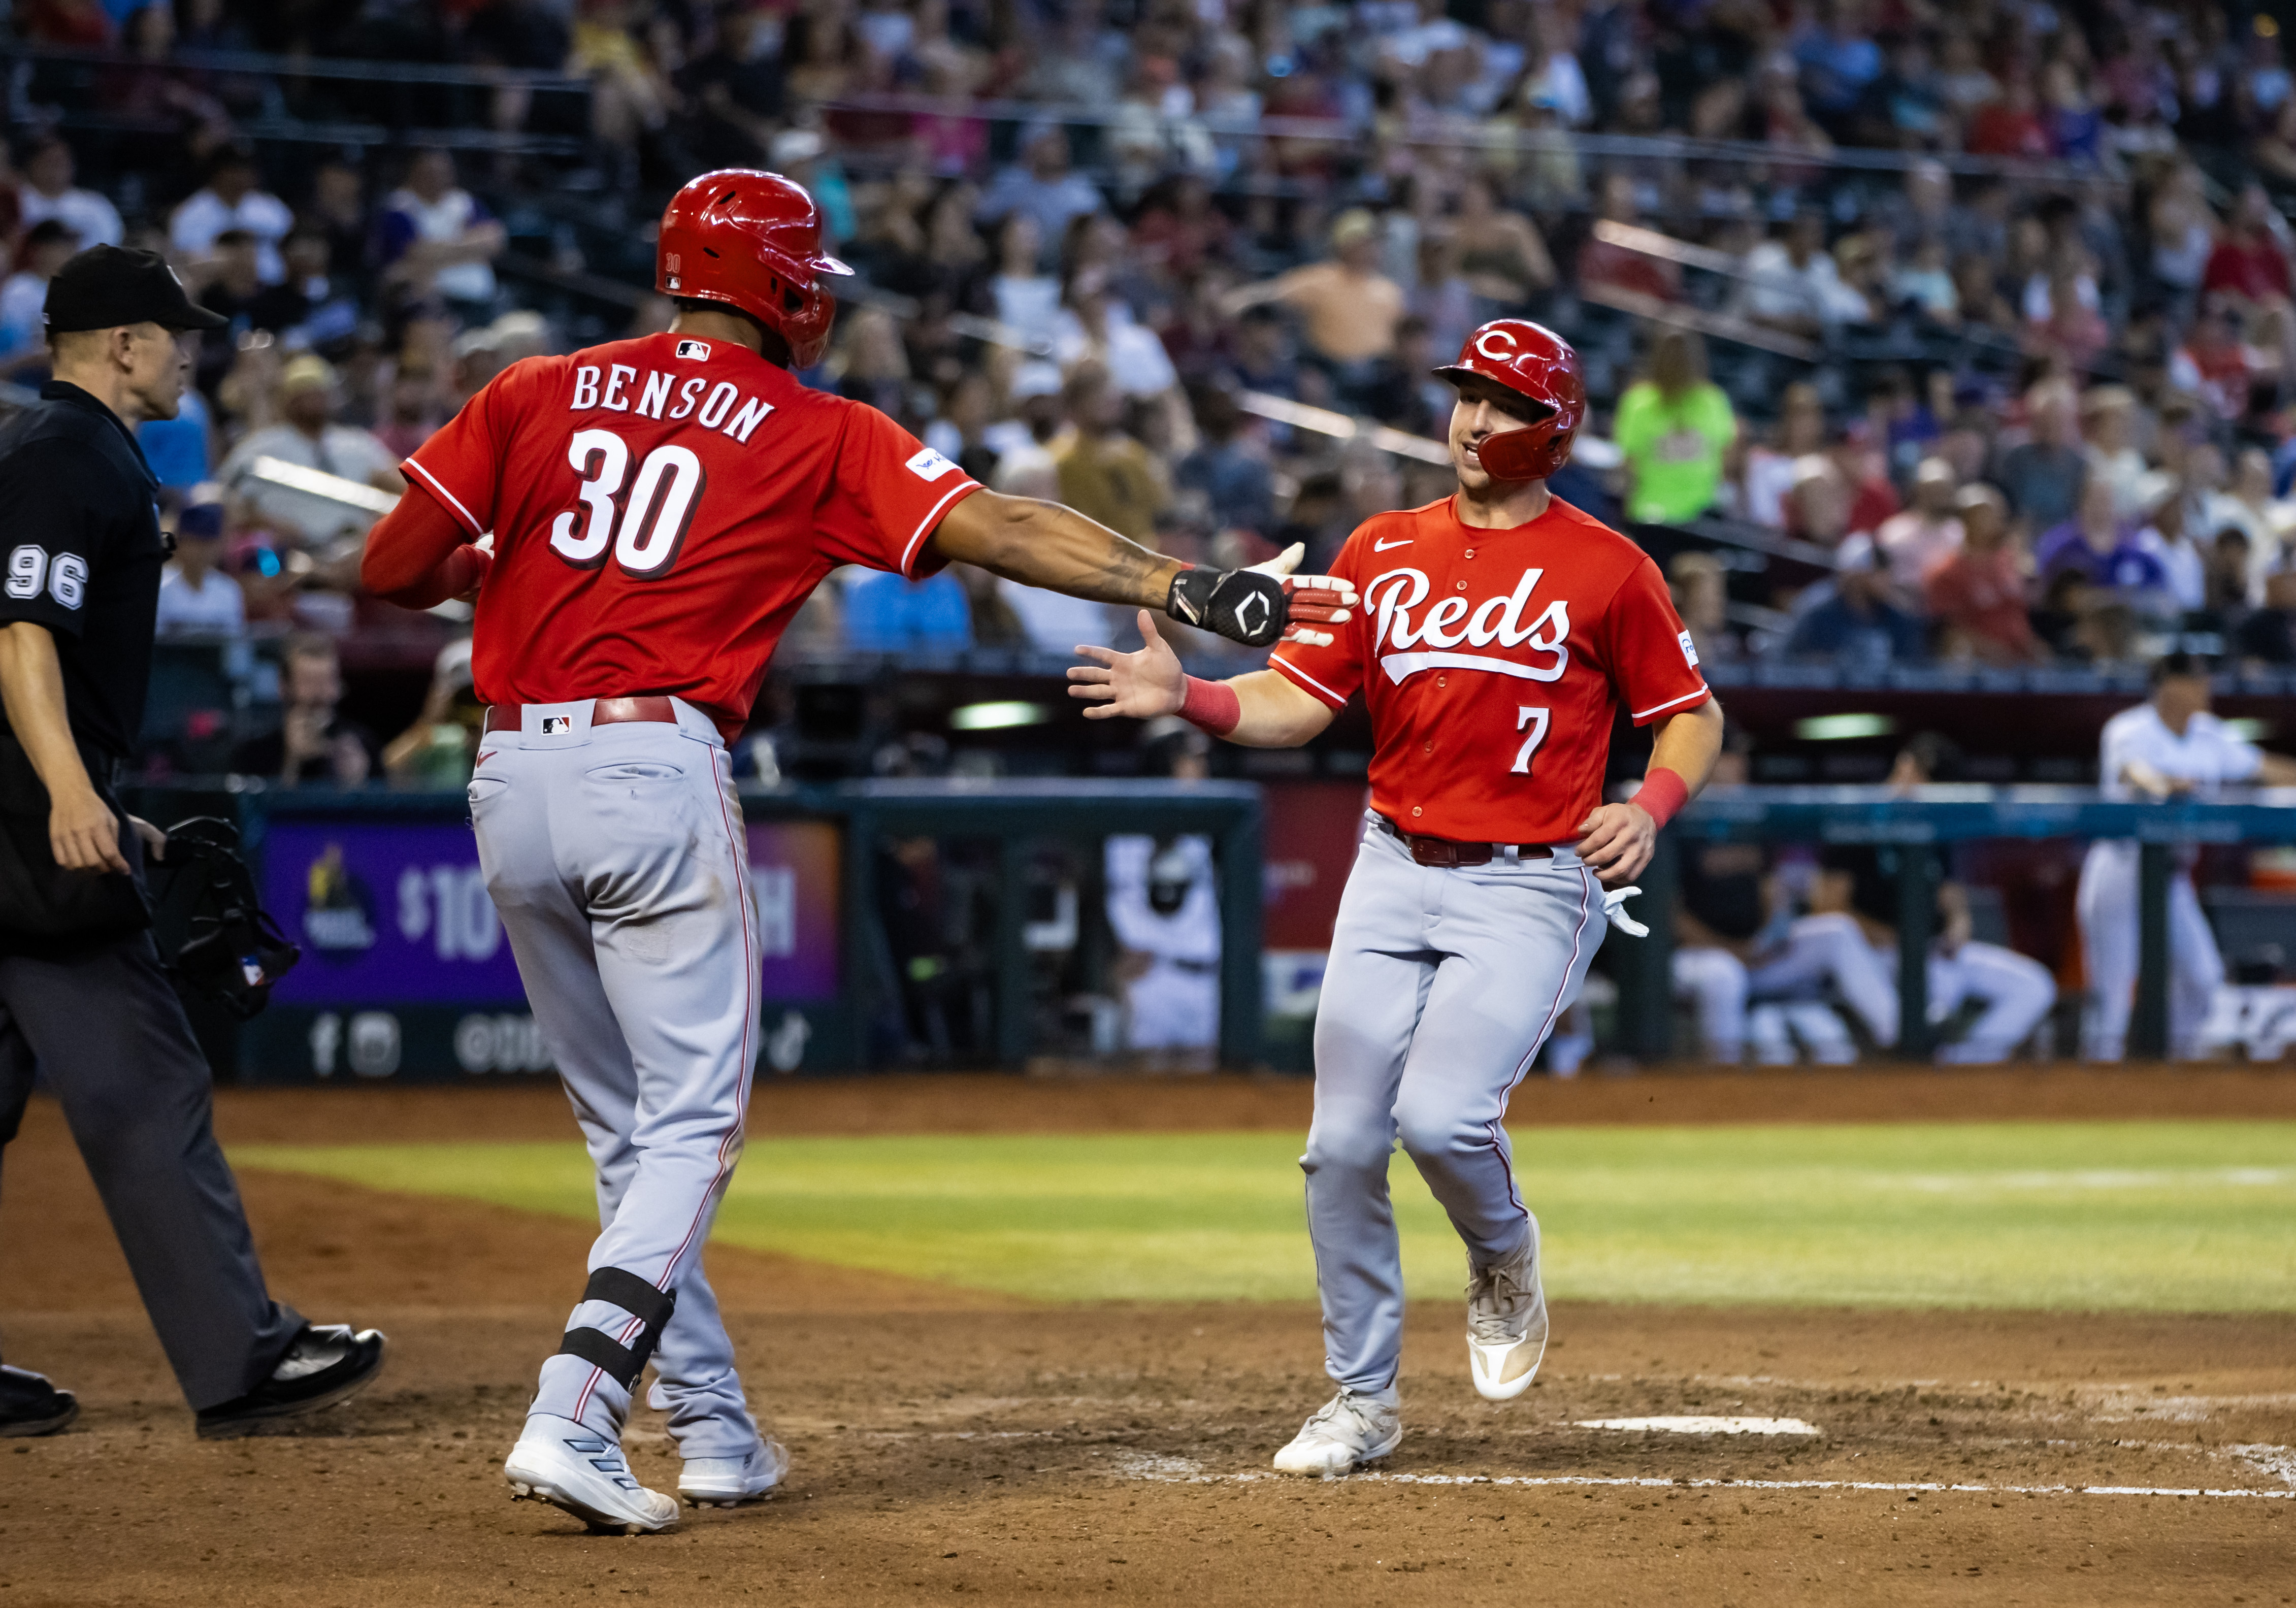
<point x="1391" y="596"/>
<point x="618" y="389"/>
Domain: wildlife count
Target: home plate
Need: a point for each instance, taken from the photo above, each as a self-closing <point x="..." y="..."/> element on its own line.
<point x="1695" y="1425"/>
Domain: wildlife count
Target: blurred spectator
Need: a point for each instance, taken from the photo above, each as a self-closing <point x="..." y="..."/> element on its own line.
<point x="307" y="308"/>
<point x="1501" y="252"/>
<point x="2096" y="545"/>
<point x="1603" y="264"/>
<point x="2268" y="636"/>
<point x="1347" y="308"/>
<point x="1850" y="618"/>
<point x="231" y="201"/>
<point x="197" y="598"/>
<point x="1702" y="596"/>
<point x="890" y="613"/>
<point x="2265" y="520"/>
<point x="2043" y="477"/>
<point x="179" y="450"/>
<point x="47" y="246"/>
<point x="314" y="745"/>
<point x="309" y="439"/>
<point x="2251" y="260"/>
<point x="47" y="192"/>
<point x="1103" y="473"/>
<point x="1676" y="428"/>
<point x="1918" y="540"/>
<point x="436" y="238"/>
<point x="1229" y="484"/>
<point x="2109" y="425"/>
<point x="1791" y="284"/>
<point x="1042" y="187"/>
<point x="2163" y="507"/>
<point x="1771" y="466"/>
<point x="1163" y="910"/>
<point x="439" y="749"/>
<point x="1977" y="594"/>
<point x="736" y="88"/>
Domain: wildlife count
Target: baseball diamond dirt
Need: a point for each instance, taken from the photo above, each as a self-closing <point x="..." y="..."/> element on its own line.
<point x="948" y="1442"/>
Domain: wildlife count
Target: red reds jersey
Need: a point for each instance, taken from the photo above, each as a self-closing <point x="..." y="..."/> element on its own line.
<point x="1492" y="661"/>
<point x="661" y="508"/>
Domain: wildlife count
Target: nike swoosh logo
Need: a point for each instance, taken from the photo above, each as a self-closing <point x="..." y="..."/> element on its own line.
<point x="1380" y="547"/>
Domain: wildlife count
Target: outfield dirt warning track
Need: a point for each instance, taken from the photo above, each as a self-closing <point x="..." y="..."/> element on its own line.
<point x="951" y="1445"/>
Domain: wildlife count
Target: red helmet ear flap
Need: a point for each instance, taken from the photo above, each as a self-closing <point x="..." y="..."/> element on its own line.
<point x="1519" y="455"/>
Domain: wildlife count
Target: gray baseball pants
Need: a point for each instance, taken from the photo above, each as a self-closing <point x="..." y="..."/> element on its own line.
<point x="1441" y="986"/>
<point x="616" y="858"/>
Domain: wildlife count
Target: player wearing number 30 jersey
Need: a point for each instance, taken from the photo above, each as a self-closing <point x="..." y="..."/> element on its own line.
<point x="1500" y="631"/>
<point x="661" y="508"/>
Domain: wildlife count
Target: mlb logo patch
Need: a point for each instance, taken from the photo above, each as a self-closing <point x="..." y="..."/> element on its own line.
<point x="693" y="351"/>
<point x="1689" y="650"/>
<point x="557" y="725"/>
<point x="930" y="465"/>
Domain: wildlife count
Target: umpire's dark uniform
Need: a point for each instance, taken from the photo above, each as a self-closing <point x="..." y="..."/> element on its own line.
<point x="82" y="995"/>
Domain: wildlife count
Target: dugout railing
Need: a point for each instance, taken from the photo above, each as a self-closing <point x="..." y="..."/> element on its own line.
<point x="1929" y="818"/>
<point x="404" y="973"/>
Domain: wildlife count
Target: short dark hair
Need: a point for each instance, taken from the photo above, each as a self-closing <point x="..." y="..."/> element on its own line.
<point x="771" y="346"/>
<point x="48" y="231"/>
<point x="2179" y="662"/>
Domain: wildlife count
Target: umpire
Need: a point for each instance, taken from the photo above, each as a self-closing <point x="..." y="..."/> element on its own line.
<point x="82" y="995"/>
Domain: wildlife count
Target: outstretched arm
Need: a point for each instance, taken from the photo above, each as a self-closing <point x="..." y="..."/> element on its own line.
<point x="1270" y="712"/>
<point x="1048" y="545"/>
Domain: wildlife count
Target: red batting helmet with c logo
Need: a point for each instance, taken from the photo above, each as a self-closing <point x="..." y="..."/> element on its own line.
<point x="751" y="239"/>
<point x="1532" y="361"/>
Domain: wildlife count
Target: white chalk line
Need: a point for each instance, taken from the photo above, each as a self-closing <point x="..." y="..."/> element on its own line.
<point x="1168" y="1470"/>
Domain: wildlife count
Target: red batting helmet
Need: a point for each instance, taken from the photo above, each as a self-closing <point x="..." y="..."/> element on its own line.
<point x="1532" y="361"/>
<point x="753" y="240"/>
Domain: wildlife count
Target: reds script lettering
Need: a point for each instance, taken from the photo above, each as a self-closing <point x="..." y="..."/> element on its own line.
<point x="1391" y="597"/>
<point x="609" y="390"/>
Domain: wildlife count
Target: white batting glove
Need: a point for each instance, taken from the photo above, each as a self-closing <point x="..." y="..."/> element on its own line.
<point x="1311" y="601"/>
<point x="1614" y="912"/>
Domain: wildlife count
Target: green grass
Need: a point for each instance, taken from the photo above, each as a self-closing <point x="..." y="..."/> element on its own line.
<point x="2162" y="1215"/>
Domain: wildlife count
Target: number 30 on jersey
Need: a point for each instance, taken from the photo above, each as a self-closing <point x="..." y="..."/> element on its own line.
<point x="643" y="527"/>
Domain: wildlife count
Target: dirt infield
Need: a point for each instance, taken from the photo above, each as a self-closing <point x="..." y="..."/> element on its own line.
<point x="949" y="1444"/>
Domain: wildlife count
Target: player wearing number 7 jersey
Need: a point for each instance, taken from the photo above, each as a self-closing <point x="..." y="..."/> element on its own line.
<point x="1500" y="631"/>
<point x="661" y="509"/>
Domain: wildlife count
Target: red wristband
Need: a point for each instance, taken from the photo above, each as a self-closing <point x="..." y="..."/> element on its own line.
<point x="1212" y="705"/>
<point x="1662" y="795"/>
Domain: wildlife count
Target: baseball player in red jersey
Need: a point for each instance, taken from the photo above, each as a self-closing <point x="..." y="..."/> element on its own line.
<point x="661" y="508"/>
<point x="1499" y="631"/>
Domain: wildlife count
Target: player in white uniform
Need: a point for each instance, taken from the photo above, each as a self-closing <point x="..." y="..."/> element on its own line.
<point x="2170" y="746"/>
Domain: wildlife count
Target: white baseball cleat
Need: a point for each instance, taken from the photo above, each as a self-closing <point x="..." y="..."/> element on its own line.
<point x="730" y="1481"/>
<point x="575" y="1468"/>
<point x="1354" y="1427"/>
<point x="1506" y="1323"/>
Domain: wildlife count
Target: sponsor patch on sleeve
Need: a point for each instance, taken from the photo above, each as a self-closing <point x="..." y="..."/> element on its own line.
<point x="693" y="351"/>
<point x="930" y="465"/>
<point x="1689" y="649"/>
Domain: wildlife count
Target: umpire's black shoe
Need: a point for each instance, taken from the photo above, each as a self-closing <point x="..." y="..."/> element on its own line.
<point x="31" y="1405"/>
<point x="326" y="1364"/>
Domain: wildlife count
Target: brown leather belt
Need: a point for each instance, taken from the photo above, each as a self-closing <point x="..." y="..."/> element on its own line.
<point x="1444" y="852"/>
<point x="603" y="712"/>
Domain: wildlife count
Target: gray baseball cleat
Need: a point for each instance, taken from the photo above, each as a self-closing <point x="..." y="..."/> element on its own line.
<point x="1354" y="1427"/>
<point x="1506" y="1323"/>
<point x="575" y="1468"/>
<point x="730" y="1481"/>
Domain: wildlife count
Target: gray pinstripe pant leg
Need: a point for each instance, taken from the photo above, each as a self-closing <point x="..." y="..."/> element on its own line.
<point x="1442" y="985"/>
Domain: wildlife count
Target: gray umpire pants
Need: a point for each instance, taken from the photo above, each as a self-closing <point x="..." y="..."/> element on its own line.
<point x="112" y="1036"/>
<point x="1442" y="985"/>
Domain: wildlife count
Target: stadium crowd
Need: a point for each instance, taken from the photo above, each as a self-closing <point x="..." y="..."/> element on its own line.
<point x="2013" y="386"/>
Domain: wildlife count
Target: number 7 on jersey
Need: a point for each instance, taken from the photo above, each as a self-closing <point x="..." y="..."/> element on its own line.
<point x="1535" y="719"/>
